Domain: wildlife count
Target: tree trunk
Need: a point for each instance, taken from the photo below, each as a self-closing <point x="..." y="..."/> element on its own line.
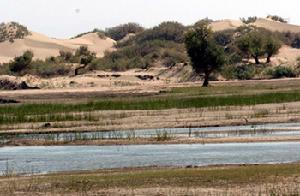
<point x="269" y="59"/>
<point x="205" y="83"/>
<point x="256" y="60"/>
<point x="79" y="68"/>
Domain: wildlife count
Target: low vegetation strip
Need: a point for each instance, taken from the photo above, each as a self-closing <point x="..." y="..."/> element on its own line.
<point x="151" y="103"/>
<point x="143" y="178"/>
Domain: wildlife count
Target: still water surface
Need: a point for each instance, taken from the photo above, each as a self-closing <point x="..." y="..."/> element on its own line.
<point x="28" y="160"/>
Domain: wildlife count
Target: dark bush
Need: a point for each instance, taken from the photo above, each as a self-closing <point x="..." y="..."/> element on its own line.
<point x="281" y="72"/>
<point x="21" y="62"/>
<point x="170" y="31"/>
<point x="249" y="20"/>
<point x="296" y="41"/>
<point x="19" y="31"/>
<point x="277" y="18"/>
<point x="225" y="37"/>
<point x="119" y="32"/>
<point x="244" y="72"/>
<point x="47" y="69"/>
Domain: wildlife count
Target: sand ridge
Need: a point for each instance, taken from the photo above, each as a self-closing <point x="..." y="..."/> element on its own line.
<point x="43" y="46"/>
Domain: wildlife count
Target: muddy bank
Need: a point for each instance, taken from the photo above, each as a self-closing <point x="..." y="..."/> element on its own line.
<point x="145" y="141"/>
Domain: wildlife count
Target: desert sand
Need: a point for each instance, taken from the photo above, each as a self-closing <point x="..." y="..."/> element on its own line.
<point x="43" y="46"/>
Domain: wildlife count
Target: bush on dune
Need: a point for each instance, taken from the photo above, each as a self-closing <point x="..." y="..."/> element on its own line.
<point x="162" y="44"/>
<point x="25" y="64"/>
<point x="119" y="32"/>
<point x="142" y="56"/>
<point x="21" y="62"/>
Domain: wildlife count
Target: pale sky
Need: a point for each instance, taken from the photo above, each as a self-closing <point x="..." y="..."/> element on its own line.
<point x="66" y="18"/>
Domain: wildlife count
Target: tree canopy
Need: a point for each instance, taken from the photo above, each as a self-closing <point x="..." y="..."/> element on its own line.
<point x="205" y="55"/>
<point x="256" y="43"/>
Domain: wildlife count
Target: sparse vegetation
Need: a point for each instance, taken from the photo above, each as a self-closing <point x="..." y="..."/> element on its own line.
<point x="11" y="31"/>
<point x="252" y="179"/>
<point x="99" y="32"/>
<point x="277" y="18"/>
<point x="52" y="66"/>
<point x="249" y="20"/>
<point x="162" y="44"/>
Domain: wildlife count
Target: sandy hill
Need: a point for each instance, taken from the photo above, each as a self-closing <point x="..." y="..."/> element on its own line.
<point x="276" y="26"/>
<point x="43" y="46"/>
<point x="260" y="22"/>
<point x="225" y="24"/>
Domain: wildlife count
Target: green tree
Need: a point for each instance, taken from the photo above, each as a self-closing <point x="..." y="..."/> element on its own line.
<point x="256" y="43"/>
<point x="252" y="44"/>
<point x="206" y="56"/>
<point x="272" y="46"/>
<point x="21" y="62"/>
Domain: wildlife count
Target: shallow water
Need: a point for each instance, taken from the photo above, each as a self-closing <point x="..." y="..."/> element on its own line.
<point x="266" y="130"/>
<point x="29" y="160"/>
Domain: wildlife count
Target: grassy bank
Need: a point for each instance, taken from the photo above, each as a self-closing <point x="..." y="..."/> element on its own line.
<point x="18" y="111"/>
<point x="132" y="179"/>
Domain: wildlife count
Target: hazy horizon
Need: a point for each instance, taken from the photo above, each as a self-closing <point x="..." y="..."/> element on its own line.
<point x="64" y="19"/>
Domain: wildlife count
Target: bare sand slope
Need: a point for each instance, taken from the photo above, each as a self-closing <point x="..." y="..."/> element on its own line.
<point x="260" y="22"/>
<point x="43" y="46"/>
<point x="276" y="26"/>
<point x="225" y="24"/>
<point x="287" y="56"/>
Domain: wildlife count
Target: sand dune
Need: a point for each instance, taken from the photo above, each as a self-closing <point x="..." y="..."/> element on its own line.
<point x="225" y="24"/>
<point x="260" y="22"/>
<point x="276" y="26"/>
<point x="287" y="56"/>
<point x="43" y="46"/>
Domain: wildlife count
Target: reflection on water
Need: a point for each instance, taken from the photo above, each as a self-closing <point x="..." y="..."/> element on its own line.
<point x="27" y="160"/>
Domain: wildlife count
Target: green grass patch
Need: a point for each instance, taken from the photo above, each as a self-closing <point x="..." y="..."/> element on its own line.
<point x="23" y="113"/>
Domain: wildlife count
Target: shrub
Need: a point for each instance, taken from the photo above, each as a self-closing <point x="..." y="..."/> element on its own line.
<point x="298" y="62"/>
<point x="100" y="33"/>
<point x="47" y="69"/>
<point x="65" y="56"/>
<point x="170" y="31"/>
<point x="21" y="62"/>
<point x="249" y="20"/>
<point x="224" y="38"/>
<point x="296" y="41"/>
<point x="228" y="72"/>
<point x="244" y="72"/>
<point x="119" y="32"/>
<point x="12" y="31"/>
<point x="281" y="71"/>
<point x="142" y="56"/>
<point x="277" y="18"/>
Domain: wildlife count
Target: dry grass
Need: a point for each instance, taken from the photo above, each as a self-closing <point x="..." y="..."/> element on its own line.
<point x="221" y="180"/>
